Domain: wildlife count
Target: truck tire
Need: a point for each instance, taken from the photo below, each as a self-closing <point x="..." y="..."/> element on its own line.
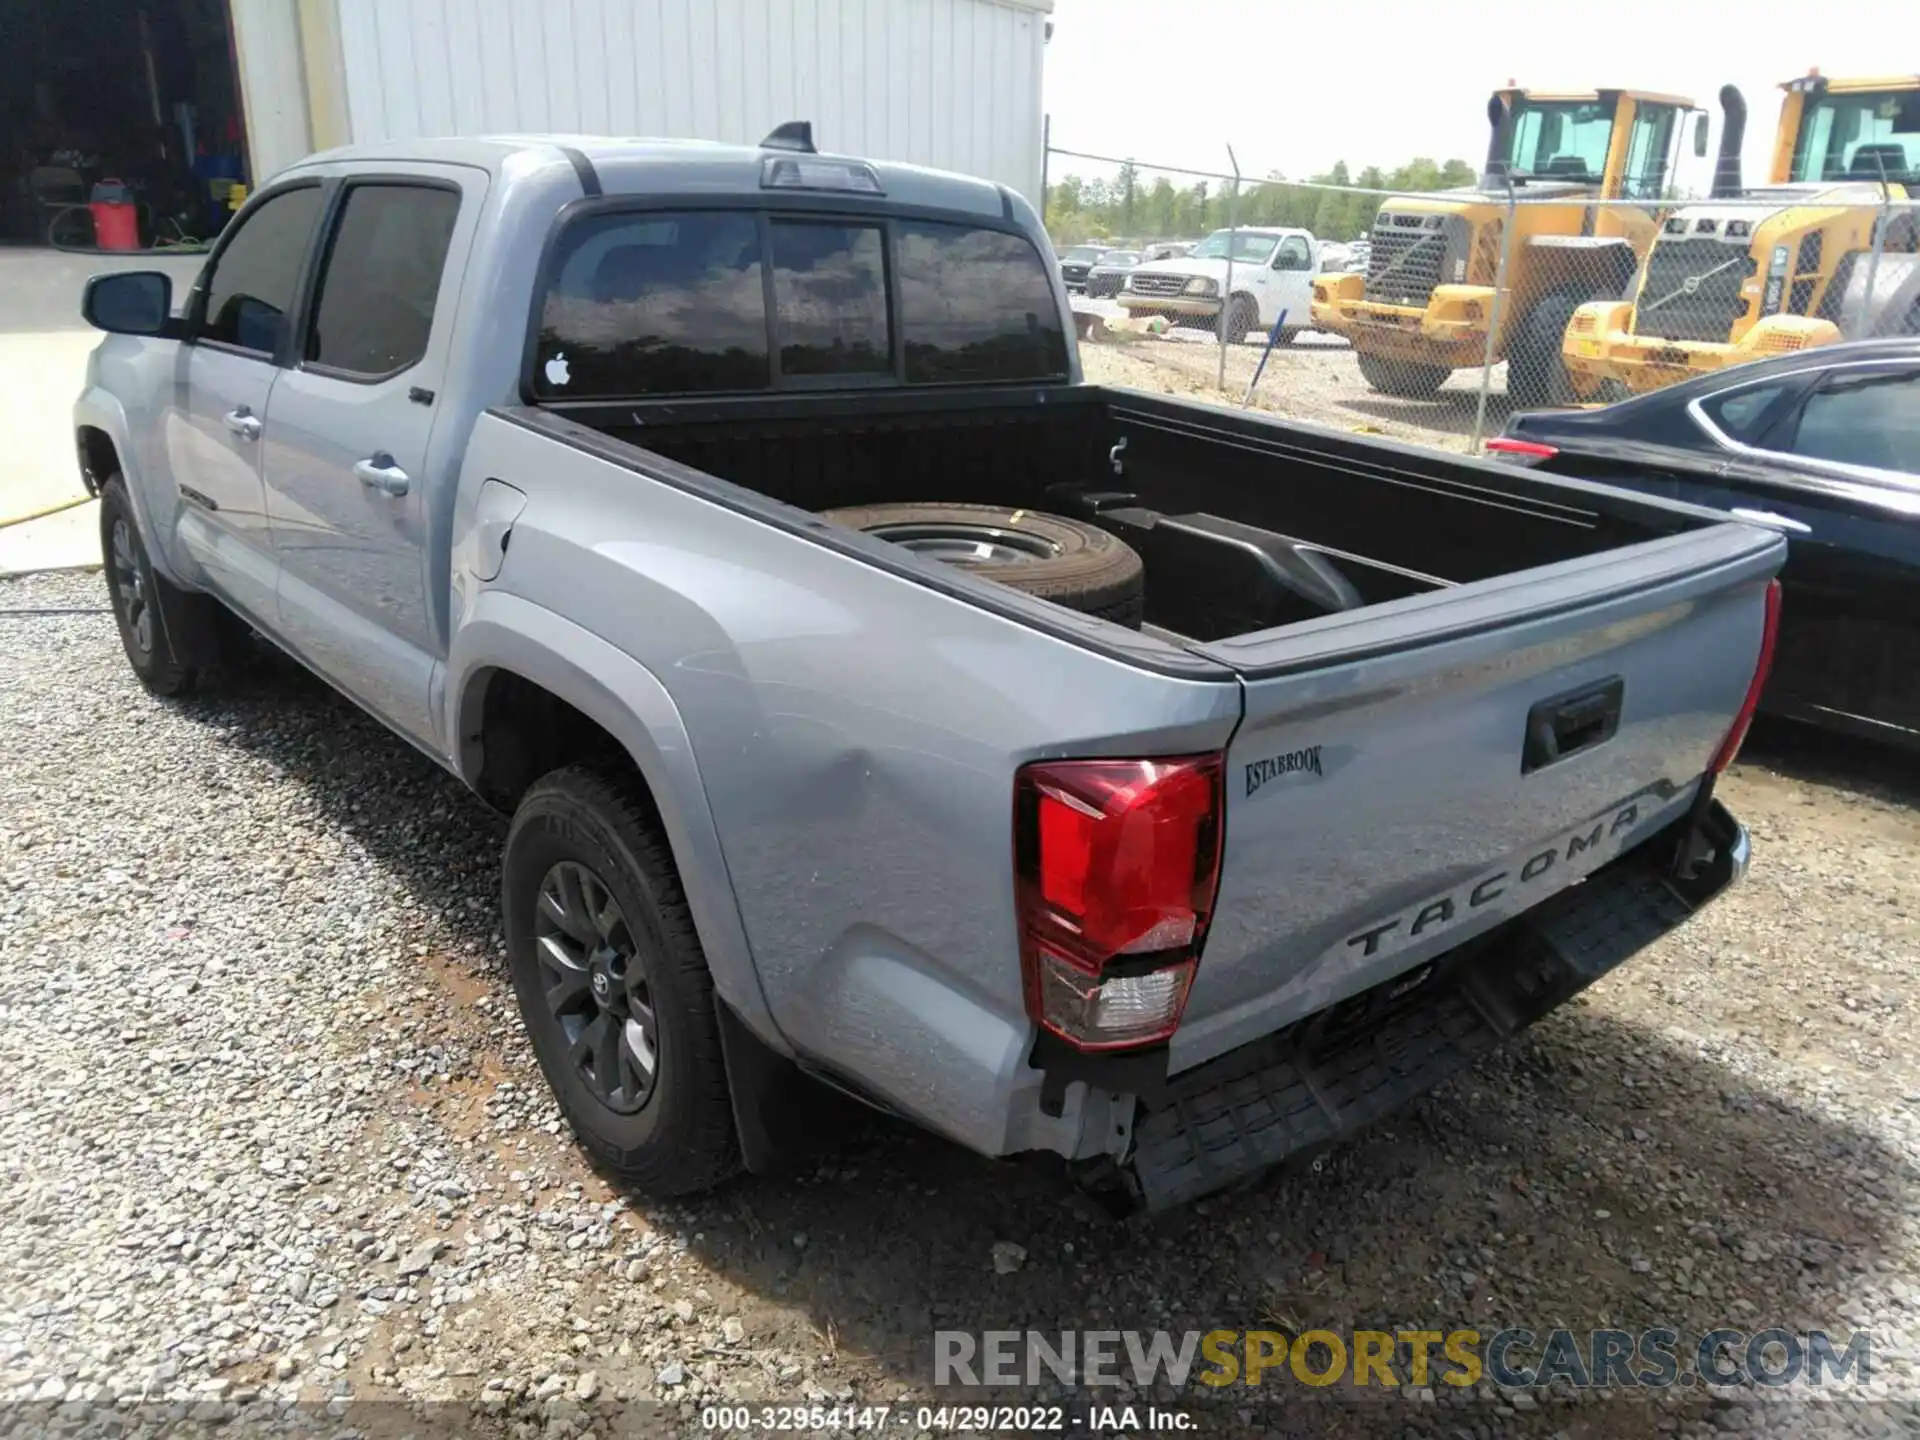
<point x="612" y="982"/>
<point x="1408" y="382"/>
<point x="1536" y="367"/>
<point x="1066" y="561"/>
<point x="141" y="598"/>
<point x="1238" y="320"/>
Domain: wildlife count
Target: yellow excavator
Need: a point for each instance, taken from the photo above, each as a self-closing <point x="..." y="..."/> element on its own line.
<point x="1425" y="305"/>
<point x="1790" y="265"/>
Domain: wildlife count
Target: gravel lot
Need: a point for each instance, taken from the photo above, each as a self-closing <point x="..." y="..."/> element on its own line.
<point x="1315" y="379"/>
<point x="272" y="1132"/>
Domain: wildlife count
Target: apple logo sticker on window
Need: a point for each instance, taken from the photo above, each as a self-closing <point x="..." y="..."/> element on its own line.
<point x="557" y="369"/>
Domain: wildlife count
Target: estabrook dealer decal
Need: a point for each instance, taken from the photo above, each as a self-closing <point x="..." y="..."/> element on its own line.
<point x="1276" y="767"/>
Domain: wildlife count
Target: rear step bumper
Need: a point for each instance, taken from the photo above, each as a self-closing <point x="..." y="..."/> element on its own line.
<point x="1345" y="1068"/>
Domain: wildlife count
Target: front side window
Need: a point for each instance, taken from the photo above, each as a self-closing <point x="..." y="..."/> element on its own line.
<point x="1859" y="137"/>
<point x="250" y="292"/>
<point x="1871" y="420"/>
<point x="976" y="305"/>
<point x="654" y="304"/>
<point x="381" y="279"/>
<point x="1246" y="249"/>
<point x="830" y="298"/>
<point x="1294" y="254"/>
<point x="1561" y="140"/>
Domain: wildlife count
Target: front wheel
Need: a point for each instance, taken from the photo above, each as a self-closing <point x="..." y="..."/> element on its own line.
<point x="613" y="985"/>
<point x="135" y="593"/>
<point x="1408" y="382"/>
<point x="1237" y="320"/>
<point x="1536" y="365"/>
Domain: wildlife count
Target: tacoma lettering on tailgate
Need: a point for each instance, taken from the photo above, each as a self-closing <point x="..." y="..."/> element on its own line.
<point x="1547" y="869"/>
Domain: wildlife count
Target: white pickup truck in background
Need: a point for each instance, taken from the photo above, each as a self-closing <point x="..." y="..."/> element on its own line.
<point x="1234" y="282"/>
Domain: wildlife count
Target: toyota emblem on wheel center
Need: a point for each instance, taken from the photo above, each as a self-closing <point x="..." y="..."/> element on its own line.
<point x="600" y="984"/>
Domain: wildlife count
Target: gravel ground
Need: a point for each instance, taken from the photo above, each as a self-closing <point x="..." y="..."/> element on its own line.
<point x="1315" y="379"/>
<point x="272" y="1131"/>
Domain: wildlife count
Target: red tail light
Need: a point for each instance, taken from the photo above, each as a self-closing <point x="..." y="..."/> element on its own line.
<point x="1116" y="863"/>
<point x="1769" y="633"/>
<point x="1533" y="449"/>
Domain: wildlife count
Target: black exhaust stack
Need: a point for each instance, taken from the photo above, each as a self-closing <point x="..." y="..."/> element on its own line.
<point x="1733" y="133"/>
<point x="1499" y="143"/>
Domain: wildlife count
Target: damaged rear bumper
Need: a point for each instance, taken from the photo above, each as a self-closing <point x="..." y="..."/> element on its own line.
<point x="1346" y="1067"/>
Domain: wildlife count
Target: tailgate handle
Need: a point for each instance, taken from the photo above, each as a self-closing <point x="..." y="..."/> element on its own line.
<point x="1567" y="724"/>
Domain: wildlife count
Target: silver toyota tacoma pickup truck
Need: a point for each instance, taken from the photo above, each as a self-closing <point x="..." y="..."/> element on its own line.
<point x="1066" y="768"/>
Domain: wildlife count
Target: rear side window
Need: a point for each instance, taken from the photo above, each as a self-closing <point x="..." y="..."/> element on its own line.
<point x="976" y="305"/>
<point x="704" y="302"/>
<point x="381" y="279"/>
<point x="1871" y="420"/>
<point x="1745" y="415"/>
<point x="654" y="304"/>
<point x="251" y="290"/>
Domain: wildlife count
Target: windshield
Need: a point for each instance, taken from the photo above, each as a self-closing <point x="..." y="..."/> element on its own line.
<point x="1247" y="249"/>
<point x="1859" y="137"/>
<point x="1082" y="255"/>
<point x="1119" y="257"/>
<point x="1561" y="139"/>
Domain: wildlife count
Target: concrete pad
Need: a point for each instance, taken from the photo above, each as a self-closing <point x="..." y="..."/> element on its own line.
<point x="40" y="377"/>
<point x="67" y="541"/>
<point x="44" y="346"/>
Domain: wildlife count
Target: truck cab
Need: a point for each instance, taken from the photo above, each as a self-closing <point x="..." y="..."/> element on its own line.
<point x="1426" y="303"/>
<point x="1753" y="273"/>
<point x="1235" y="280"/>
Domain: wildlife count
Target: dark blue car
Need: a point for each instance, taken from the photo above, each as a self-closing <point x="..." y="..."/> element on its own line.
<point x="1823" y="445"/>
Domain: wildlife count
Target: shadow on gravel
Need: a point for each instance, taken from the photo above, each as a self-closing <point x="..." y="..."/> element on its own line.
<point x="1821" y="757"/>
<point x="1594" y="1173"/>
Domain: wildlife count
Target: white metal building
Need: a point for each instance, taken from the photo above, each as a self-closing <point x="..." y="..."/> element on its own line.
<point x="948" y="83"/>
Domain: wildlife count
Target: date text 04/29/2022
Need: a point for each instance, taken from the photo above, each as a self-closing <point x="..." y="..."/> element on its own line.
<point x="942" y="1419"/>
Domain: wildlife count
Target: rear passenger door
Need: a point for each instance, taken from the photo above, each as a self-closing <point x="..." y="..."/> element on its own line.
<point x="348" y="466"/>
<point x="1834" y="460"/>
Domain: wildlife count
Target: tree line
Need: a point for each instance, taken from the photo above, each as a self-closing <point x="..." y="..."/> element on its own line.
<point x="1131" y="206"/>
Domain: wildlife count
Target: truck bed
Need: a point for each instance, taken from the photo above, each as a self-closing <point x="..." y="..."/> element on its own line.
<point x="1217" y="503"/>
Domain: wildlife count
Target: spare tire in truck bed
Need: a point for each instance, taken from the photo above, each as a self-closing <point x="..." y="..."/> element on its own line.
<point x="1066" y="561"/>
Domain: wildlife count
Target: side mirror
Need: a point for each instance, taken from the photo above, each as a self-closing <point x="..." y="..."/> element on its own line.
<point x="132" y="302"/>
<point x="1700" y="135"/>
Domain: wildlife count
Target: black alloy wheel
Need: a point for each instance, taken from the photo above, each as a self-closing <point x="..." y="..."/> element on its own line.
<point x="597" y="987"/>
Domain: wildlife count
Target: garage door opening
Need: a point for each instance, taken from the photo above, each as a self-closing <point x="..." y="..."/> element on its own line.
<point x="121" y="126"/>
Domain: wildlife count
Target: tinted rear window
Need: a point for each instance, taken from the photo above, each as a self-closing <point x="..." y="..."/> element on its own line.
<point x="830" y="292"/>
<point x="654" y="304"/>
<point x="677" y="302"/>
<point x="976" y="305"/>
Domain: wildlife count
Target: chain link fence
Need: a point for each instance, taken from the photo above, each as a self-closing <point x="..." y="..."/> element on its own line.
<point x="1431" y="315"/>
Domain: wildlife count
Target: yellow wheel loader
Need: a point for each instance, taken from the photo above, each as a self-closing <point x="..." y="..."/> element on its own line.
<point x="1425" y="305"/>
<point x="1748" y="274"/>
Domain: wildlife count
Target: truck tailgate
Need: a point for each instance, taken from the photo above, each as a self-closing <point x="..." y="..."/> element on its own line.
<point x="1384" y="801"/>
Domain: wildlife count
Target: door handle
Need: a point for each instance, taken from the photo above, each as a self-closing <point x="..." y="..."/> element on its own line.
<point x="378" y="472"/>
<point x="243" y="422"/>
<point x="1567" y="724"/>
<point x="1778" y="522"/>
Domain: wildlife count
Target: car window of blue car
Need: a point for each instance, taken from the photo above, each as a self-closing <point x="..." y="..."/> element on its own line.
<point x="1744" y="415"/>
<point x="1871" y="420"/>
